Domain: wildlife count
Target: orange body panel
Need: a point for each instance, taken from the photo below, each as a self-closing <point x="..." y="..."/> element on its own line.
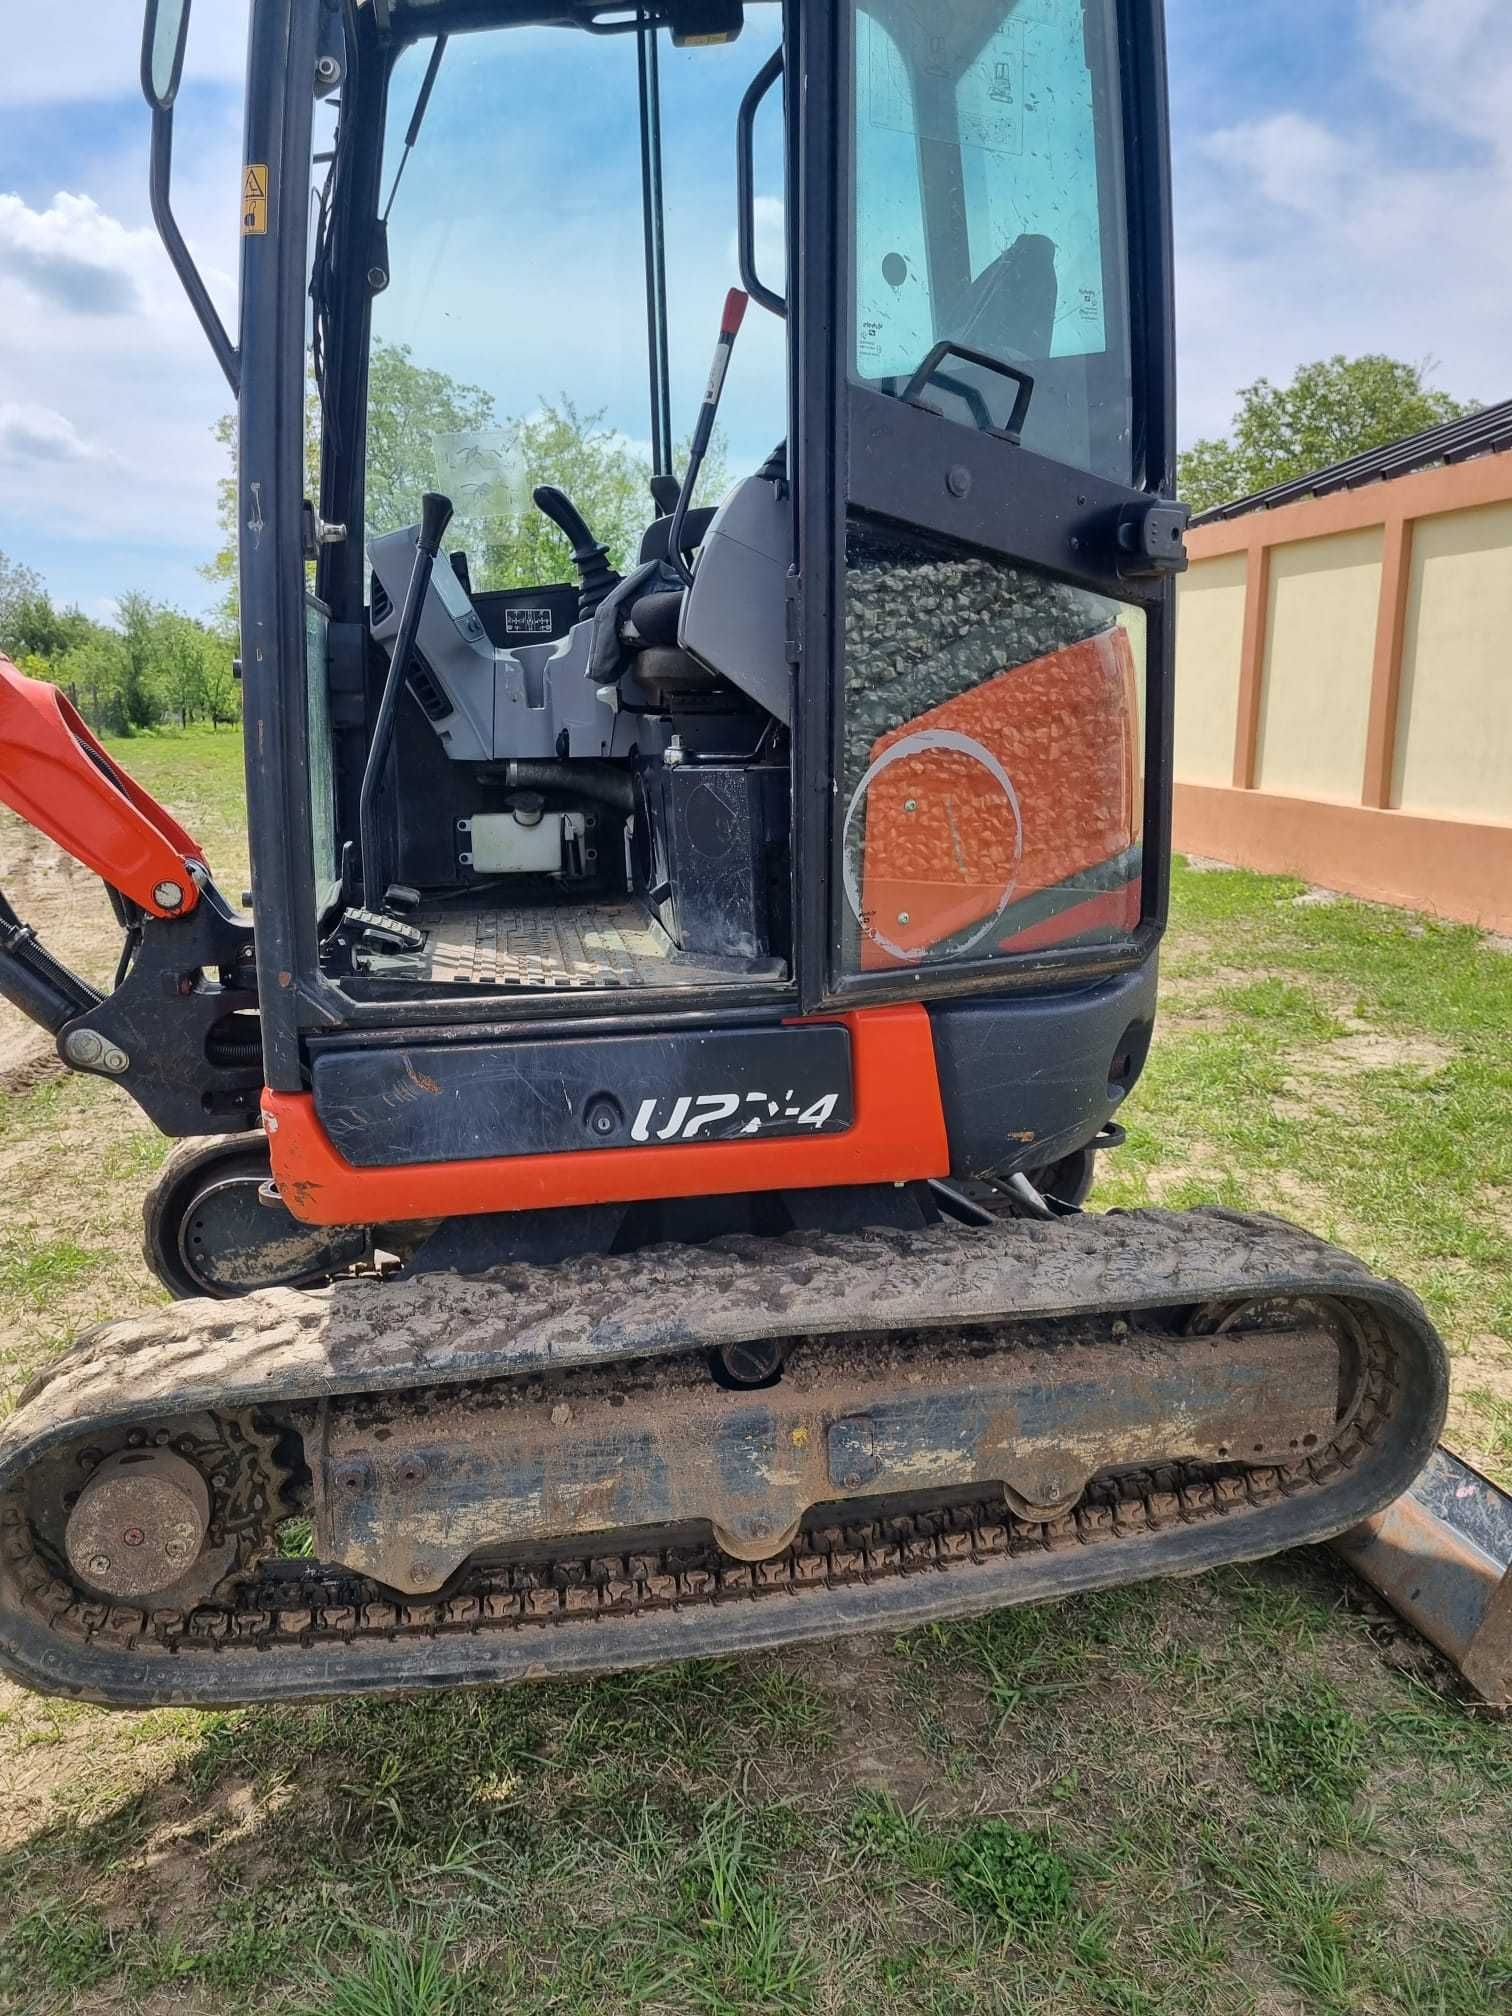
<point x="50" y="776"/>
<point x="945" y="841"/>
<point x="898" y="1136"/>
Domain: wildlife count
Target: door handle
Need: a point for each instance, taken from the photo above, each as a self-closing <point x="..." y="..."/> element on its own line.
<point x="745" y="184"/>
<point x="975" y="402"/>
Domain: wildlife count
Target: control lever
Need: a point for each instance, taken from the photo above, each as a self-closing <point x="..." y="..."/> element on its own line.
<point x="435" y="516"/>
<point x="735" y="306"/>
<point x="591" y="559"/>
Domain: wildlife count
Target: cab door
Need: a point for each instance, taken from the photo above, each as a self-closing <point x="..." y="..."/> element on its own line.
<point x="982" y="314"/>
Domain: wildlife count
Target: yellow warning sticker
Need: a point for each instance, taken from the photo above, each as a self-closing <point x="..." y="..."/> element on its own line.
<point x="255" y="199"/>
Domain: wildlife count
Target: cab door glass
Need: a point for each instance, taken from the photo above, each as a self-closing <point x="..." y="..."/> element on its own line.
<point x="990" y="772"/>
<point x="988" y="208"/>
<point x="992" y="794"/>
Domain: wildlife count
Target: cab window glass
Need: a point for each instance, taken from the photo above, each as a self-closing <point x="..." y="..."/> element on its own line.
<point x="988" y="209"/>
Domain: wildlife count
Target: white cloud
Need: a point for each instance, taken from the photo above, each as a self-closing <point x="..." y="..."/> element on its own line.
<point x="1385" y="227"/>
<point x="73" y="256"/>
<point x="110" y="389"/>
<point x="30" y="433"/>
<point x="1454" y="64"/>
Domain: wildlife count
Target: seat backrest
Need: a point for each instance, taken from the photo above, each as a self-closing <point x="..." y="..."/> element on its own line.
<point x="653" y="544"/>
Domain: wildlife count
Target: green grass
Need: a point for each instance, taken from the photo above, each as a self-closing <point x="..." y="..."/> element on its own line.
<point x="998" y="1872"/>
<point x="35" y="1271"/>
<point x="1315" y="1749"/>
<point x="400" y="1972"/>
<point x="1239" y="1795"/>
<point x="1350" y="1066"/>
<point x="199" y="774"/>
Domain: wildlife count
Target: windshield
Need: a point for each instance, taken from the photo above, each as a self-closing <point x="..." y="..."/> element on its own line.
<point x="510" y="346"/>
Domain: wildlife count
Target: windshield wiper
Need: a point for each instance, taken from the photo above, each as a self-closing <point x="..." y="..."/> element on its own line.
<point x="412" y="132"/>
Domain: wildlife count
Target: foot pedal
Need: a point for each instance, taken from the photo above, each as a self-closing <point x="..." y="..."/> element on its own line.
<point x="388" y="934"/>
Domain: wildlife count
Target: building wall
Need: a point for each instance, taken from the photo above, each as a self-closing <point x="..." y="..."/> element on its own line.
<point x="1454" y="740"/>
<point x="1209" y="639"/>
<point x="1344" y="691"/>
<point x="1315" y="680"/>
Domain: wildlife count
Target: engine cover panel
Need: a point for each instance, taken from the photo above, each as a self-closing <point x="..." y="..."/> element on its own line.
<point x="458" y="1102"/>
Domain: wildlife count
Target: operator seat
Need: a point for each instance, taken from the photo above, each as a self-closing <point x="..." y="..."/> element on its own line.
<point x="649" y="628"/>
<point x="653" y="616"/>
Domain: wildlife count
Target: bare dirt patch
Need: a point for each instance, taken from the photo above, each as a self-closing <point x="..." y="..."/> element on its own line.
<point x="1201" y="1164"/>
<point x="28" y="1056"/>
<point x="68" y="909"/>
<point x="1371" y="1050"/>
<point x="1481" y="1373"/>
<point x="60" y="899"/>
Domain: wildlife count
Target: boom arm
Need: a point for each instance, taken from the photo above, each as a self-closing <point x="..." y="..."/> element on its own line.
<point x="57" y="777"/>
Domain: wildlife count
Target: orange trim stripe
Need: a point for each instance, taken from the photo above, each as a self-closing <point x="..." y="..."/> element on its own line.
<point x="898" y="1136"/>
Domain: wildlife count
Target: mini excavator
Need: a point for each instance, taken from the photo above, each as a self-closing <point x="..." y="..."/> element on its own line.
<point x="633" y="1132"/>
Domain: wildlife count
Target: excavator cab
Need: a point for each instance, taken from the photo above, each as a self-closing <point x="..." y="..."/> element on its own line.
<point x="709" y="830"/>
<point x="723" y="849"/>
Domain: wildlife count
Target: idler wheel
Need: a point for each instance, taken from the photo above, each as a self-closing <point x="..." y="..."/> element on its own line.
<point x="140" y="1523"/>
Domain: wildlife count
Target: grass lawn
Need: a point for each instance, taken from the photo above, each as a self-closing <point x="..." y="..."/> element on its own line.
<point x="1244" y="1792"/>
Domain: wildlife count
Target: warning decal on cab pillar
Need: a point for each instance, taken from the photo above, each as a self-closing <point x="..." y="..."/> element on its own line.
<point x="255" y="199"/>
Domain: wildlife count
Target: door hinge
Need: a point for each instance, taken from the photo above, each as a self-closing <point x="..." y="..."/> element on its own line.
<point x="793" y="623"/>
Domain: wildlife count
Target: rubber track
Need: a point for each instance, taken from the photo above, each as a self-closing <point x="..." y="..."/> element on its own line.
<point x="280" y="1348"/>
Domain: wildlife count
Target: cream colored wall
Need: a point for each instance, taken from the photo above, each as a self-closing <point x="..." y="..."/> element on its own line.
<point x="1209" y="638"/>
<point x="1319" y="646"/>
<point x="1454" y="716"/>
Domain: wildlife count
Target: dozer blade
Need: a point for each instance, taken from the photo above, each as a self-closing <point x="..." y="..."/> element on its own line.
<point x="1441" y="1555"/>
<point x="541" y="1470"/>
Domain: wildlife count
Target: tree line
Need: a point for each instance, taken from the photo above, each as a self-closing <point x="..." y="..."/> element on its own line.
<point x="1330" y="410"/>
<point x="153" y="666"/>
<point x="427" y="431"/>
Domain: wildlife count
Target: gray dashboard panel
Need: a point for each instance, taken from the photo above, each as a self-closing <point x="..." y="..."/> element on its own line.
<point x="505" y="703"/>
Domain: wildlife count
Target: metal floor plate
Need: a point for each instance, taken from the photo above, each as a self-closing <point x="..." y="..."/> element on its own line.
<point x="567" y="945"/>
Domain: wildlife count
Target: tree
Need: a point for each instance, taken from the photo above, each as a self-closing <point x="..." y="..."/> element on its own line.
<point x="1333" y="409"/>
<point x="422" y="423"/>
<point x="94" y="672"/>
<point x="18" y="586"/>
<point x="179" y="652"/>
<point x="603" y="476"/>
<point x="222" y="694"/>
<point x="410" y="411"/>
<point x="140" y="618"/>
<point x="37" y="630"/>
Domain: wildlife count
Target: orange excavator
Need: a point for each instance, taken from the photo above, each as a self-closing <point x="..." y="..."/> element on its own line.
<point x="634" y="1131"/>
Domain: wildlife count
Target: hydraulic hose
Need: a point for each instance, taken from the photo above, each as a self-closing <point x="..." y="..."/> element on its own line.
<point x="585" y="780"/>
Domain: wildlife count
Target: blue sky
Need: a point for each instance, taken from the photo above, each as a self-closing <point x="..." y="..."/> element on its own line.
<point x="1343" y="180"/>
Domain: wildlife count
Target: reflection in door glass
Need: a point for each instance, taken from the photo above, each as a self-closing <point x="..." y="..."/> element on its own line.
<point x="992" y="786"/>
<point x="988" y="209"/>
